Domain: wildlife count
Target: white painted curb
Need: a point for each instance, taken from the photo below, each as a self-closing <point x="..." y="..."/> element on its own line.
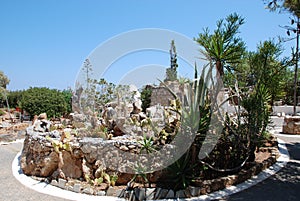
<point x="58" y="192"/>
<point x="16" y="141"/>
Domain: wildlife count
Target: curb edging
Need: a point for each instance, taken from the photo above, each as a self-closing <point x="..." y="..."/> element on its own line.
<point x="44" y="188"/>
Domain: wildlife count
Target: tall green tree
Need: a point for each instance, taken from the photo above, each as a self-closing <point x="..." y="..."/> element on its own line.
<point x="223" y="46"/>
<point x="39" y="100"/>
<point x="293" y="7"/>
<point x="67" y="93"/>
<point x="268" y="69"/>
<point x="14" y="98"/>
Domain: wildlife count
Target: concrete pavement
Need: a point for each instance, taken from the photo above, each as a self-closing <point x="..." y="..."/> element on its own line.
<point x="12" y="189"/>
<point x="285" y="184"/>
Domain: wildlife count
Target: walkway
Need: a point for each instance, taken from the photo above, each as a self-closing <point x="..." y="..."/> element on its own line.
<point x="283" y="186"/>
<point x="10" y="188"/>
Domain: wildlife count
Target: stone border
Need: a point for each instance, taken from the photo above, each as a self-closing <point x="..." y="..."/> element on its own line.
<point x="66" y="194"/>
<point x="278" y="133"/>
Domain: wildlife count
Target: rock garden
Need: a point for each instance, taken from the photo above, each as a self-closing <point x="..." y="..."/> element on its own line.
<point x="176" y="149"/>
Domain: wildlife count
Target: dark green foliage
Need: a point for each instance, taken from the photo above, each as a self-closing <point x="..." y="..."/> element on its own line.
<point x="180" y="173"/>
<point x="257" y="116"/>
<point x="39" y="100"/>
<point x="4" y="81"/>
<point x="267" y="69"/>
<point x="146" y="97"/>
<point x="147" y="145"/>
<point x="14" y="98"/>
<point x="171" y="73"/>
<point x="67" y="93"/>
<point x="262" y="66"/>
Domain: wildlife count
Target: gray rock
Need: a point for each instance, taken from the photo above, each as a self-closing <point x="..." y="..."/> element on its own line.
<point x="170" y="194"/>
<point x="54" y="183"/>
<point x="100" y="193"/>
<point x="124" y="148"/>
<point x="54" y="134"/>
<point x="61" y="183"/>
<point x="195" y="191"/>
<point x="111" y="191"/>
<point x="70" y="188"/>
<point x="140" y="193"/>
<point x="180" y="194"/>
<point x="88" y="190"/>
<point x="161" y="193"/>
<point x="79" y="117"/>
<point x="120" y="192"/>
<point x="87" y="148"/>
<point x="41" y="125"/>
<point x="150" y="192"/>
<point x="77" y="188"/>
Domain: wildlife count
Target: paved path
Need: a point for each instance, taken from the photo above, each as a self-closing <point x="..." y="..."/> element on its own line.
<point x="283" y="186"/>
<point x="10" y="188"/>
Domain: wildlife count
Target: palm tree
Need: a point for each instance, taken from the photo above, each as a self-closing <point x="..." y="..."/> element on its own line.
<point x="222" y="46"/>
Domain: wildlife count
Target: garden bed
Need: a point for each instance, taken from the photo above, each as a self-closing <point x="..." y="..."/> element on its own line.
<point x="40" y="160"/>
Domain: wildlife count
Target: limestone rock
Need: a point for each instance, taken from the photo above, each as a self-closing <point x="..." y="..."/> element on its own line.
<point x="41" y="125"/>
<point x="42" y="116"/>
<point x="72" y="166"/>
<point x="50" y="164"/>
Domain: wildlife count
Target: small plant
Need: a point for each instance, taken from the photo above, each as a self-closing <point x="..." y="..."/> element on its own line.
<point x="147" y="145"/>
<point x="104" y="177"/>
<point x="140" y="175"/>
<point x="59" y="146"/>
<point x="181" y="172"/>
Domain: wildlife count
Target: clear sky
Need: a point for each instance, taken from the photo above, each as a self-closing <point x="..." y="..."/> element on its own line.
<point x="45" y="42"/>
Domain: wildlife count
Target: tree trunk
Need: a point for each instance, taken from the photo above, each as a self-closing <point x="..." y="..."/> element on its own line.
<point x="219" y="67"/>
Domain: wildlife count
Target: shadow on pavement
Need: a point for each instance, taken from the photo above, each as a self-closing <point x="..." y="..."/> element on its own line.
<point x="283" y="186"/>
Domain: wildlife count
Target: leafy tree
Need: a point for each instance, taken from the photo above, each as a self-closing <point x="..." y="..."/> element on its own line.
<point x="39" y="100"/>
<point x="146" y="97"/>
<point x="293" y="7"/>
<point x="223" y="47"/>
<point x="67" y="93"/>
<point x="14" y="98"/>
<point x="4" y="81"/>
<point x="171" y="73"/>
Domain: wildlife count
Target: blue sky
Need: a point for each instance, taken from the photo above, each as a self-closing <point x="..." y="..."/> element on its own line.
<point x="45" y="42"/>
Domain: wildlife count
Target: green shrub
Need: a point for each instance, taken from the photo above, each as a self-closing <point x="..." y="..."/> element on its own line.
<point x="39" y="100"/>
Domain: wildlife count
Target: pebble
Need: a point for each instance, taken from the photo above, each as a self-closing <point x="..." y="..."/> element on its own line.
<point x="124" y="148"/>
